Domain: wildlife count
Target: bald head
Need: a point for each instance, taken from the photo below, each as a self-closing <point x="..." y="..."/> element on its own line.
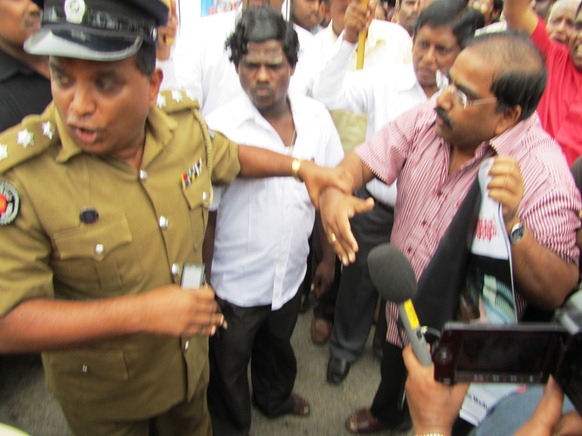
<point x="520" y="77"/>
<point x="560" y="21"/>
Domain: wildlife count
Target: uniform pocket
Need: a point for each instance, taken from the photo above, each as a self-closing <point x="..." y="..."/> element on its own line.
<point x="96" y="257"/>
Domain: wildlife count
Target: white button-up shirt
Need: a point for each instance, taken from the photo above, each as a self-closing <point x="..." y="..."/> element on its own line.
<point x="263" y="225"/>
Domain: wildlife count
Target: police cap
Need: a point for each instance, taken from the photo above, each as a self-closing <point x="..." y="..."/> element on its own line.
<point x="98" y="30"/>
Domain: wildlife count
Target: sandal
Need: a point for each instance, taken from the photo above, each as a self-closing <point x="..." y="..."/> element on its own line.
<point x="362" y="421"/>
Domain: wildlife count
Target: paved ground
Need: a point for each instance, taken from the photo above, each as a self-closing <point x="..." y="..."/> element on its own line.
<point x="26" y="404"/>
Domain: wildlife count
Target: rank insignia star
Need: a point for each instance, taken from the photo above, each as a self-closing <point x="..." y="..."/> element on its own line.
<point x="48" y="130"/>
<point x="177" y="96"/>
<point x="3" y="151"/>
<point x="25" y="138"/>
<point x="161" y="101"/>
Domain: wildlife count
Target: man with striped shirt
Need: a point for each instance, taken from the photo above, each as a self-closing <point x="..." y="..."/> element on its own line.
<point x="435" y="151"/>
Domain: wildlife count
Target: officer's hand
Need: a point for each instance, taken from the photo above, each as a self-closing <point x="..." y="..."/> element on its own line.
<point x="175" y="311"/>
<point x="356" y="20"/>
<point x="336" y="210"/>
<point x="507" y="187"/>
<point x="318" y="178"/>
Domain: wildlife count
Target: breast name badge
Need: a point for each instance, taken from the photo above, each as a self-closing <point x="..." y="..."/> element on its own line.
<point x="9" y="203"/>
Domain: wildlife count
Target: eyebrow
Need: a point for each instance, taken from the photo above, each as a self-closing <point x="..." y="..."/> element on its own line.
<point x="468" y="92"/>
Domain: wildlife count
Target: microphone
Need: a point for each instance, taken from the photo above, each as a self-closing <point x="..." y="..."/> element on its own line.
<point x="394" y="278"/>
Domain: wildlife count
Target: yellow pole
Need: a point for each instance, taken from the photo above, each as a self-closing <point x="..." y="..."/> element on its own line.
<point x="361" y="44"/>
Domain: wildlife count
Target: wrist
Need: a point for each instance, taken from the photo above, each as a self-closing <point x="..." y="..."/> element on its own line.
<point x="295" y="168"/>
<point x="516" y="232"/>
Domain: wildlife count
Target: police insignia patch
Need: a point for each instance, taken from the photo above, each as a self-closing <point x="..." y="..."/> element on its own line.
<point x="9" y="203"/>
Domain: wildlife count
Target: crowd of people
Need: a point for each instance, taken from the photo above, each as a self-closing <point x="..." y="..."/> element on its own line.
<point x="277" y="144"/>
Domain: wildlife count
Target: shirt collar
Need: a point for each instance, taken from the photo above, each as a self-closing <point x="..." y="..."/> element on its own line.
<point x="510" y="142"/>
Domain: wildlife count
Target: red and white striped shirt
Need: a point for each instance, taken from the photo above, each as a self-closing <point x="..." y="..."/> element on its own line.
<point x="428" y="196"/>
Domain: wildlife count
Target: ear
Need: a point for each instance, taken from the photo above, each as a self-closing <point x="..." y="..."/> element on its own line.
<point x="292" y="70"/>
<point x="155" y="82"/>
<point x="509" y="118"/>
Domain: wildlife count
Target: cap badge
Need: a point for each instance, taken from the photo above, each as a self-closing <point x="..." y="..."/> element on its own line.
<point x="75" y="11"/>
<point x="3" y="151"/>
<point x="9" y="203"/>
<point x="25" y="138"/>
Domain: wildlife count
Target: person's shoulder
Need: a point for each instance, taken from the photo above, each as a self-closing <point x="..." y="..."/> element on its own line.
<point x="174" y="101"/>
<point x="31" y="138"/>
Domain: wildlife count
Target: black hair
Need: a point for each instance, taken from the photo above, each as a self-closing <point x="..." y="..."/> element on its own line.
<point x="462" y="19"/>
<point x="260" y="24"/>
<point x="498" y="5"/>
<point x="145" y="59"/>
<point x="521" y="74"/>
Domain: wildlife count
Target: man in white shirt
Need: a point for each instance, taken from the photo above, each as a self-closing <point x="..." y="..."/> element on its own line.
<point x="442" y="30"/>
<point x="201" y="63"/>
<point x="262" y="229"/>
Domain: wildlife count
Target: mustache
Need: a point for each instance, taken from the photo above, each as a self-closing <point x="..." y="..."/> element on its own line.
<point x="442" y="114"/>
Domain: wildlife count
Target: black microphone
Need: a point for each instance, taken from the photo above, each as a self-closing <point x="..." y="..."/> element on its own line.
<point x="394" y="278"/>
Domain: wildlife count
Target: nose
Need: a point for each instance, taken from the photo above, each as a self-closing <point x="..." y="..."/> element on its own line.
<point x="445" y="99"/>
<point x="263" y="73"/>
<point x="430" y="55"/>
<point x="82" y="102"/>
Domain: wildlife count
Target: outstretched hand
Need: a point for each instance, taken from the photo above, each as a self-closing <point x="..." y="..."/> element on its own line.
<point x="336" y="209"/>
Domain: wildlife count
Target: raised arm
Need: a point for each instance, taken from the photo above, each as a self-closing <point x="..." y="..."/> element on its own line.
<point x="330" y="87"/>
<point x="543" y="277"/>
<point x="520" y="15"/>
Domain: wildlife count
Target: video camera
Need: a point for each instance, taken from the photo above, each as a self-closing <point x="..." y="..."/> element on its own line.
<point x="517" y="353"/>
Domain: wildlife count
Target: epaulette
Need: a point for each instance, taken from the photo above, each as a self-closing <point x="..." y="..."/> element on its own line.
<point x="177" y="100"/>
<point x="34" y="135"/>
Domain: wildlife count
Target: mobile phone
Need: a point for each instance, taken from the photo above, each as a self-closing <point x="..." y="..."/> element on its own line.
<point x="193" y="275"/>
<point x="485" y="353"/>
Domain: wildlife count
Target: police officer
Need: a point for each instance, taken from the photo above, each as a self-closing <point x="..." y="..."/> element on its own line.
<point x="103" y="201"/>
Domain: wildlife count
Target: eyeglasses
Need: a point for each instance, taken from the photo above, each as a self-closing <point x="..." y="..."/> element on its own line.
<point x="461" y="98"/>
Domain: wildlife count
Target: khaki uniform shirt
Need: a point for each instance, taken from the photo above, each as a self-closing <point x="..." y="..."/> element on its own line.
<point x="151" y="221"/>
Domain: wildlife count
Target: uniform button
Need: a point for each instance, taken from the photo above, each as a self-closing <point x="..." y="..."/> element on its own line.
<point x="205" y="196"/>
<point x="186" y="345"/>
<point x="99" y="249"/>
<point x="84" y="369"/>
<point x="143" y="175"/>
<point x="175" y="269"/>
<point x="163" y="222"/>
